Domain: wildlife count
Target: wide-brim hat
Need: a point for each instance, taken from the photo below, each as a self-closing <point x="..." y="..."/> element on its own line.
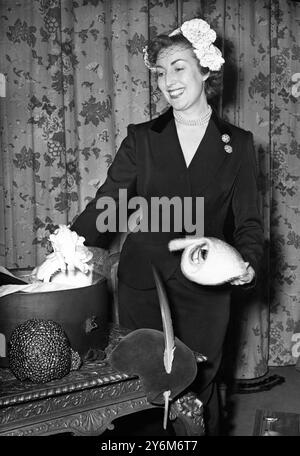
<point x="141" y="352"/>
<point x="164" y="363"/>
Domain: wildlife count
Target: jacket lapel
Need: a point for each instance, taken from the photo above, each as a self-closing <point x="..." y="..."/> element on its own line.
<point x="166" y="152"/>
<point x="208" y="159"/>
<point x="211" y="155"/>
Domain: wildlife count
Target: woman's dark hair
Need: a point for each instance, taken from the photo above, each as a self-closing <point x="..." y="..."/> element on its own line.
<point x="212" y="84"/>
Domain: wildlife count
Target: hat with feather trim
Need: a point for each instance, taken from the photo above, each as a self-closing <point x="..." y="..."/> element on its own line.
<point x="164" y="363"/>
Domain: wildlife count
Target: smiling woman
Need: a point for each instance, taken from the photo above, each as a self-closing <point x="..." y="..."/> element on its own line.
<point x="181" y="82"/>
<point x="177" y="60"/>
<point x="186" y="152"/>
<point x="213" y="84"/>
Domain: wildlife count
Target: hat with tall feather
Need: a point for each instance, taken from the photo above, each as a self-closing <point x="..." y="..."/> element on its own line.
<point x="164" y="363"/>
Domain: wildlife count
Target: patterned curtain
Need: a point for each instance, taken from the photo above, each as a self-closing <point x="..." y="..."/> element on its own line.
<point x="285" y="182"/>
<point x="75" y="80"/>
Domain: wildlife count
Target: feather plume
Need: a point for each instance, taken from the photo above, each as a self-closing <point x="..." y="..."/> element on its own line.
<point x="166" y="412"/>
<point x="167" y="322"/>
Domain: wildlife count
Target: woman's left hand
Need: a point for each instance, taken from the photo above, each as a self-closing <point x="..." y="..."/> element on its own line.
<point x="245" y="278"/>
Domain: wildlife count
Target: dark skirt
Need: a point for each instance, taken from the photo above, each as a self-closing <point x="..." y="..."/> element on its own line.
<point x="200" y="318"/>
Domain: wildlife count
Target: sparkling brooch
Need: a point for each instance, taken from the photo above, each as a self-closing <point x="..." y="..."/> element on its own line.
<point x="228" y="149"/>
<point x="225" y="138"/>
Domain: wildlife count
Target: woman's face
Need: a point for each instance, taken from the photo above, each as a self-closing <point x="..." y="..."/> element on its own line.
<point x="179" y="78"/>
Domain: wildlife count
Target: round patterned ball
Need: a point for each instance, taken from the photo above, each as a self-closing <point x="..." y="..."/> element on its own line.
<point x="39" y="351"/>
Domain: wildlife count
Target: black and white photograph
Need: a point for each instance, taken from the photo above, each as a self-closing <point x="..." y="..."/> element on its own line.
<point x="149" y="222"/>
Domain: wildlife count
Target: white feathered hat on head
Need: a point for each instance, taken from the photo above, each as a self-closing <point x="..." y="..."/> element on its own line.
<point x="201" y="36"/>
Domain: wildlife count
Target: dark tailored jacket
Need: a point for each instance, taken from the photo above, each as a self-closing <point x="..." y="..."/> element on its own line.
<point x="150" y="163"/>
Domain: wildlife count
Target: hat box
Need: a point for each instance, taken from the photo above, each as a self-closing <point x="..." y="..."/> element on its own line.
<point x="82" y="312"/>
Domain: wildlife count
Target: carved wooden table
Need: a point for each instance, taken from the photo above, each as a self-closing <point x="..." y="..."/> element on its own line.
<point x="85" y="402"/>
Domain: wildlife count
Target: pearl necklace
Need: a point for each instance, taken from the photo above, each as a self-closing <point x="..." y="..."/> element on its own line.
<point x="195" y="122"/>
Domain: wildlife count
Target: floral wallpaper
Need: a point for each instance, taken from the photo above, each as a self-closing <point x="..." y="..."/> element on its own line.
<point x="75" y="79"/>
